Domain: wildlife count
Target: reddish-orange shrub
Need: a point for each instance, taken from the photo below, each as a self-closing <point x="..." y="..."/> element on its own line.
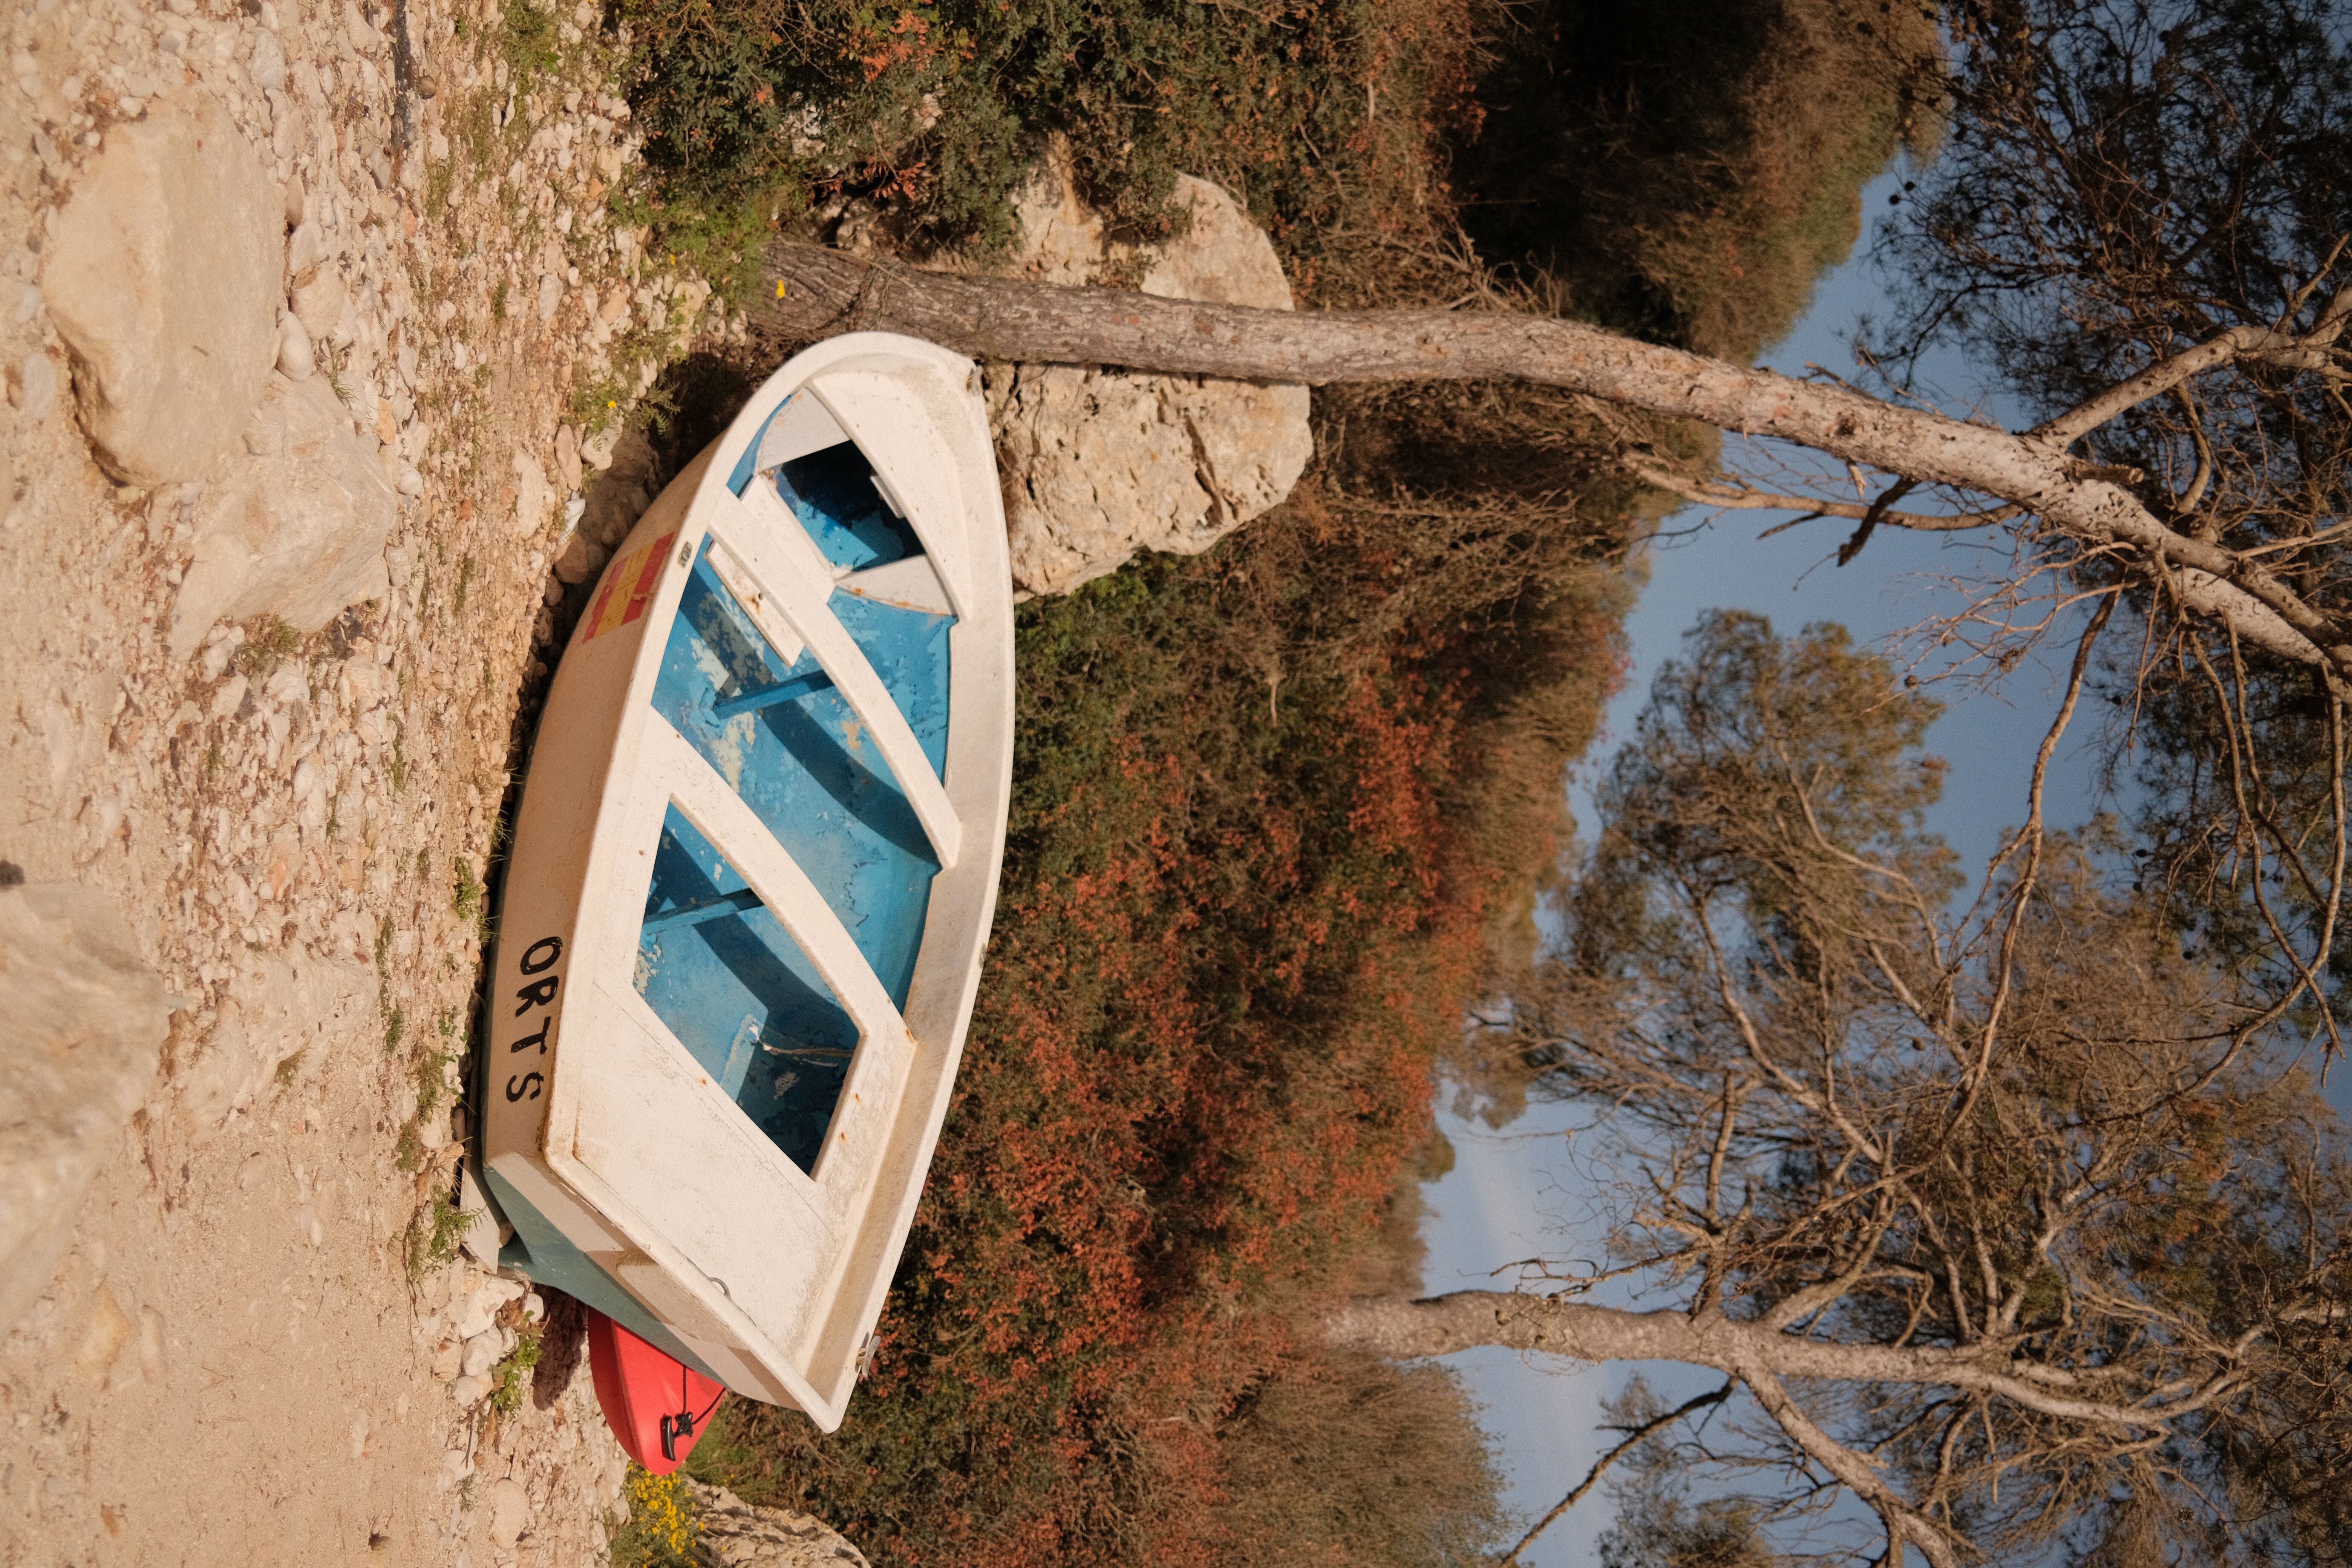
<point x="1232" y="941"/>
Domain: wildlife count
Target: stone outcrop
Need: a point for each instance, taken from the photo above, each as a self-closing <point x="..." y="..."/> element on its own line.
<point x="164" y="280"/>
<point x="734" y="1535"/>
<point x="509" y="1507"/>
<point x="1098" y="465"/>
<point x="294" y="526"/>
<point x="85" y="1020"/>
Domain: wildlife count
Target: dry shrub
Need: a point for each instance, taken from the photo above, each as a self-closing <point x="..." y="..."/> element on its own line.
<point x="1685" y="169"/>
<point x="1354" y="1462"/>
<point x="1230" y="944"/>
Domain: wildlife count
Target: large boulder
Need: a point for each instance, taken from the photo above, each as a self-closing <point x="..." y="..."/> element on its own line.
<point x="81" y="1022"/>
<point x="1098" y="465"/>
<point x="732" y="1534"/>
<point x="294" y="525"/>
<point x="164" y="279"/>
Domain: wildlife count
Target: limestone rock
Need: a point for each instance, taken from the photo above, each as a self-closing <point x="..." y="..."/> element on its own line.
<point x="597" y="447"/>
<point x="1221" y="255"/>
<point x="85" y="1019"/>
<point x="567" y="457"/>
<point x="509" y="1507"/>
<point x="296" y="358"/>
<point x="580" y="557"/>
<point x="268" y="63"/>
<point x="154" y="1360"/>
<point x="1098" y="465"/>
<point x="481" y="1354"/>
<point x="274" y="1009"/>
<point x="533" y="500"/>
<point x="296" y="525"/>
<point x="164" y="280"/>
<point x="473" y="1318"/>
<point x="734" y="1535"/>
<point x="103" y="1335"/>
<point x="321" y="301"/>
<point x="623" y="491"/>
<point x="35" y="387"/>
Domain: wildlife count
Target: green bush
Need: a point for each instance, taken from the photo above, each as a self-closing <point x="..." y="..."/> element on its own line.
<point x="935" y="111"/>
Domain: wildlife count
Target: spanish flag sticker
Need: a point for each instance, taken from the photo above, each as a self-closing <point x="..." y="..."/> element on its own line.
<point x="629" y="587"/>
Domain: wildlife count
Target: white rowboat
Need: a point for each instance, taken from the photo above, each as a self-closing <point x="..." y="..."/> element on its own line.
<point x="752" y="876"/>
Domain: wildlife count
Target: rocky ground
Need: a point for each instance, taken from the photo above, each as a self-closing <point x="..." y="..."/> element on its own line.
<point x="248" y="1349"/>
<point x="320" y="342"/>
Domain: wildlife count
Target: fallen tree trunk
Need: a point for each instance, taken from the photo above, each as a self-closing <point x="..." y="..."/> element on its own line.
<point x="1764" y="1357"/>
<point x="823" y="292"/>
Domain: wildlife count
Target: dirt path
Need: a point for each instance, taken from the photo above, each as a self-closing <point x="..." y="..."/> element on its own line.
<point x="243" y="1359"/>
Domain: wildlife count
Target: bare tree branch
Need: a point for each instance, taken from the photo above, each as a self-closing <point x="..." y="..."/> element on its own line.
<point x="2300" y="350"/>
<point x="1634" y="1439"/>
<point x="828" y="291"/>
<point x="1580" y="1330"/>
<point x="1733" y="496"/>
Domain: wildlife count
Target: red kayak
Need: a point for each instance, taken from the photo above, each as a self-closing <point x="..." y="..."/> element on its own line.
<point x="657" y="1406"/>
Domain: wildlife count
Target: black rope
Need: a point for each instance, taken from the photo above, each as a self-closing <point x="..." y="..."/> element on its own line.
<point x="685" y="1422"/>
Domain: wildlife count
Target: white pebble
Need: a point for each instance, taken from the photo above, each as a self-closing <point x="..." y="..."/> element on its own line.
<point x="295" y="357"/>
<point x="482" y="1353"/>
<point x="498" y="1291"/>
<point x="269" y="62"/>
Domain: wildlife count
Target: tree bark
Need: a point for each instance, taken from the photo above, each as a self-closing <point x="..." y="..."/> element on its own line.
<point x="1764" y="1359"/>
<point x="823" y="292"/>
<point x="1441" y="1325"/>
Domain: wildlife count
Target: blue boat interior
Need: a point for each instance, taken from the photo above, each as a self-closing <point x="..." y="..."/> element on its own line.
<point x="713" y="961"/>
<point x="717" y="967"/>
<point x="835" y="494"/>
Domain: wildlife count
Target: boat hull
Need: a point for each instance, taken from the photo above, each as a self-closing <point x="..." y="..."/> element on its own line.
<point x="630" y="1175"/>
<point x="656" y="1406"/>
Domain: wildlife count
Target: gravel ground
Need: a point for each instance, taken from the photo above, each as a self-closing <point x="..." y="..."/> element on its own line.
<point x="243" y="1359"/>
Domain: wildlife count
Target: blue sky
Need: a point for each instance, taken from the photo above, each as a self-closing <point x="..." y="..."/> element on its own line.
<point x="1518" y="1193"/>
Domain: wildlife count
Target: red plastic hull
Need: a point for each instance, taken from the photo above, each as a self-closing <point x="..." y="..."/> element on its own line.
<point x="641" y="1388"/>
